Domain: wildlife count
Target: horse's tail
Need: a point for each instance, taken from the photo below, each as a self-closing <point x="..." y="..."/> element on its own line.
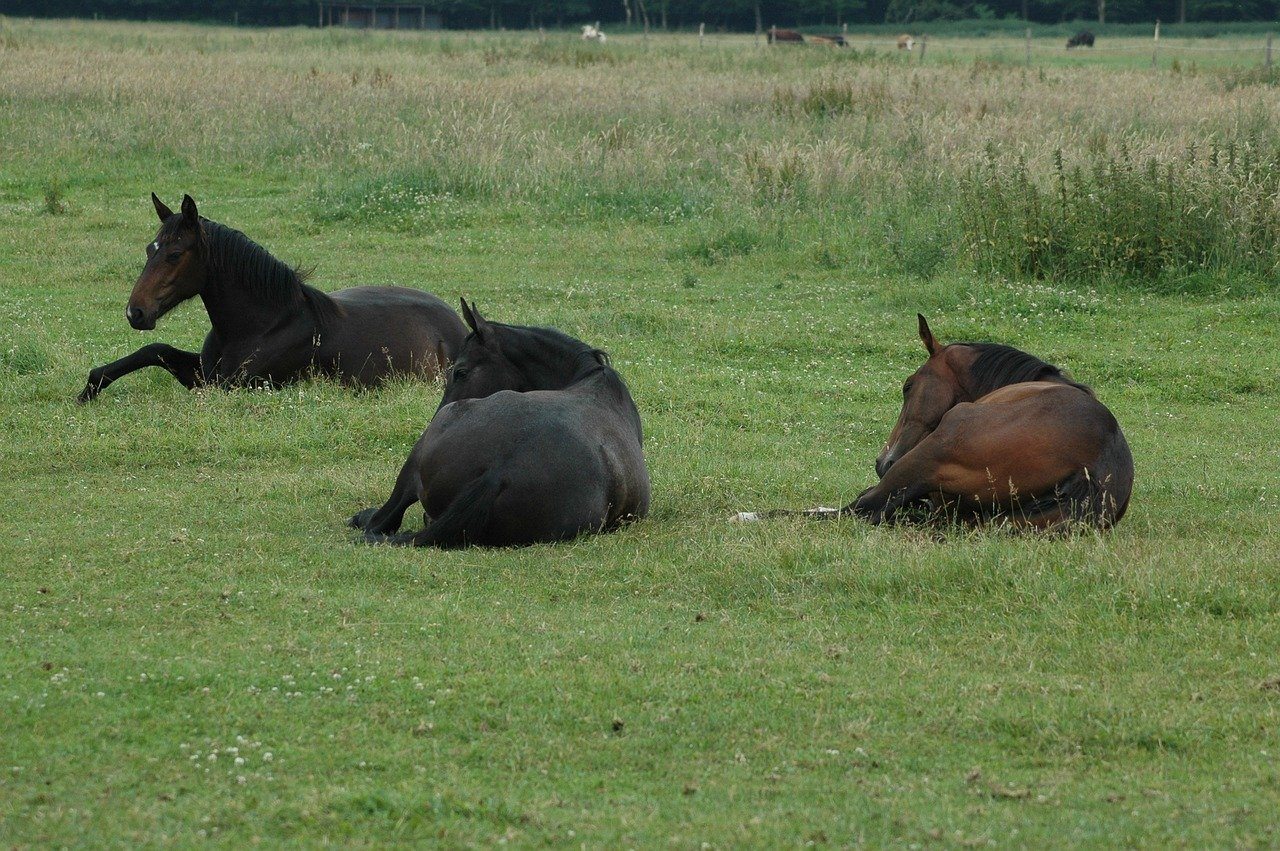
<point x="1098" y="496"/>
<point x="466" y="519"/>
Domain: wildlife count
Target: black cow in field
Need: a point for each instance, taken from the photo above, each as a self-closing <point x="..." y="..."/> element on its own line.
<point x="777" y="36"/>
<point x="1084" y="38"/>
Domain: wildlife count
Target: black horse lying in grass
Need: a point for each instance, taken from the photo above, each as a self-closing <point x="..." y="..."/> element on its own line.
<point x="536" y="439"/>
<point x="988" y="432"/>
<point x="269" y="327"/>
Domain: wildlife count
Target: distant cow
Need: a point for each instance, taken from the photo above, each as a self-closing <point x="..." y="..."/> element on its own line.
<point x="906" y="41"/>
<point x="593" y="33"/>
<point x="834" y="40"/>
<point x="1084" y="38"/>
<point x="777" y="36"/>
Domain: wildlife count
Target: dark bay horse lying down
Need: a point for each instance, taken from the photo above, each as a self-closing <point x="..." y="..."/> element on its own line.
<point x="536" y="439"/>
<point x="269" y="326"/>
<point x="990" y="432"/>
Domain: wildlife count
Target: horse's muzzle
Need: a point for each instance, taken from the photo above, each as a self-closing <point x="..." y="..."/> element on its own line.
<point x="139" y="319"/>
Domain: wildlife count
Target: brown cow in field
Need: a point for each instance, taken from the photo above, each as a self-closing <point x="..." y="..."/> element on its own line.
<point x="906" y="41"/>
<point x="777" y="36"/>
<point x="832" y="40"/>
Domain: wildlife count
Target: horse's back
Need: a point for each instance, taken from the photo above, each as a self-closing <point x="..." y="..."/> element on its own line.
<point x="1036" y="437"/>
<point x="380" y="331"/>
<point x="564" y="465"/>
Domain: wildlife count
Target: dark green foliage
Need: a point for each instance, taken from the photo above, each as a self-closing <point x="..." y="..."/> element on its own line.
<point x="1121" y="217"/>
<point x="732" y="15"/>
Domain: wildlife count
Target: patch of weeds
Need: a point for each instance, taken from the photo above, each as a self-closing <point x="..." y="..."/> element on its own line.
<point x="429" y="197"/>
<point x="1237" y="79"/>
<point x="714" y="248"/>
<point x="832" y="97"/>
<point x="777" y="176"/>
<point x="637" y="202"/>
<point x="1168" y="223"/>
<point x="25" y="359"/>
<point x="574" y="56"/>
<point x="615" y="137"/>
<point x="55" y="198"/>
<point x="917" y="245"/>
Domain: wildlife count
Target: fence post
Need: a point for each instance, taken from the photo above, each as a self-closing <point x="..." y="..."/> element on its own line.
<point x="924" y="45"/>
<point x="702" y="28"/>
<point x="1155" y="49"/>
<point x="1268" y="59"/>
<point x="1028" y="47"/>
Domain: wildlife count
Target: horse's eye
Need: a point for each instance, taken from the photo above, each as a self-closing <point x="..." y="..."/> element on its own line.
<point x="174" y="256"/>
<point x="459" y="373"/>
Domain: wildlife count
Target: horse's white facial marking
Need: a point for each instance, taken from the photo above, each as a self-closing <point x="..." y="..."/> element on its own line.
<point x="745" y="517"/>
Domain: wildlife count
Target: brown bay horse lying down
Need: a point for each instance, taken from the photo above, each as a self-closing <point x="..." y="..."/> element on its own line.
<point x="268" y="325"/>
<point x="988" y="432"/>
<point x="536" y="439"/>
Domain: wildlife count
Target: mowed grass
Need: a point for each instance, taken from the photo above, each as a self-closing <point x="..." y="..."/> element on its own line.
<point x="197" y="648"/>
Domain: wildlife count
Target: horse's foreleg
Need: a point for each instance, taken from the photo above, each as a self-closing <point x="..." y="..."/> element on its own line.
<point x="907" y="481"/>
<point x="380" y="522"/>
<point x="182" y="365"/>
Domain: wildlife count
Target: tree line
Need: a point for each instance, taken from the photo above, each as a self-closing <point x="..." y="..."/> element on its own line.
<point x="742" y="15"/>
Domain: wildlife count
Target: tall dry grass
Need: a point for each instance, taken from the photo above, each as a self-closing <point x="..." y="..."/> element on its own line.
<point x="411" y="129"/>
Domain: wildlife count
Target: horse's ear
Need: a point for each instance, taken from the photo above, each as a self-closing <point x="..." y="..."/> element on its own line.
<point x="475" y="321"/>
<point x="161" y="210"/>
<point x="481" y="325"/>
<point x="468" y="317"/>
<point x="926" y="336"/>
<point x="190" y="216"/>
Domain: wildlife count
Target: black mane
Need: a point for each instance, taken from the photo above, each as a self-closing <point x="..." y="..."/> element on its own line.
<point x="998" y="366"/>
<point x="550" y="349"/>
<point x="234" y="257"/>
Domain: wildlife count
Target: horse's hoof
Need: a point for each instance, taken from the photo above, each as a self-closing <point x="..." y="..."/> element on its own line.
<point x="745" y="517"/>
<point x="359" y="521"/>
<point x="88" y="394"/>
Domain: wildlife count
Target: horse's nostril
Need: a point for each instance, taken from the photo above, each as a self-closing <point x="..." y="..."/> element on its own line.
<point x="883" y="465"/>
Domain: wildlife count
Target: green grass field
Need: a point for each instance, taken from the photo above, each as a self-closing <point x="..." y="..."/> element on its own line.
<point x="196" y="648"/>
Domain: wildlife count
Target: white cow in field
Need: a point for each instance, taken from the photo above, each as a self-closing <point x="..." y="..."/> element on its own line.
<point x="592" y="32"/>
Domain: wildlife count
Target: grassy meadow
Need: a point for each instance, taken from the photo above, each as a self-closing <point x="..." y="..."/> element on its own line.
<point x="197" y="649"/>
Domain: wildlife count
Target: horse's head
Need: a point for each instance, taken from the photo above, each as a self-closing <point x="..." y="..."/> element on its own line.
<point x="497" y="357"/>
<point x="175" y="269"/>
<point x="481" y="368"/>
<point x="927" y="394"/>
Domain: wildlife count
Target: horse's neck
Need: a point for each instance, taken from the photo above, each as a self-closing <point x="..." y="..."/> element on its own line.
<point x="974" y="394"/>
<point x="237" y="312"/>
